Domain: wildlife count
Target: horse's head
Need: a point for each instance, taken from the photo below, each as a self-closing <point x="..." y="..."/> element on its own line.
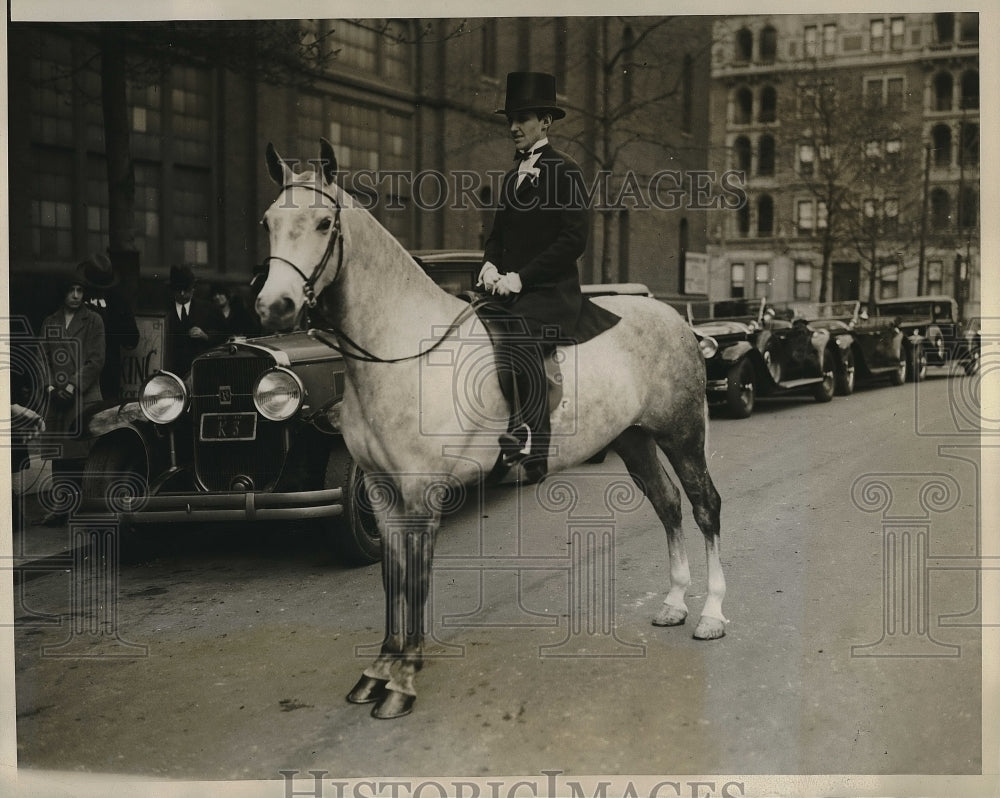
<point x="303" y="224"/>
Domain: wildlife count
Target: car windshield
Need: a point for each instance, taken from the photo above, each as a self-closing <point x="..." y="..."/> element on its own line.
<point x="739" y="309"/>
<point x="916" y="310"/>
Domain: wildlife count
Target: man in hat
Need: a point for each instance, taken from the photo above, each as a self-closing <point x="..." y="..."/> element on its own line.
<point x="539" y="231"/>
<point x="120" y="331"/>
<point x="192" y="325"/>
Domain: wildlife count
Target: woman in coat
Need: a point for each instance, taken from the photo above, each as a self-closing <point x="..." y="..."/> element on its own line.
<point x="74" y="347"/>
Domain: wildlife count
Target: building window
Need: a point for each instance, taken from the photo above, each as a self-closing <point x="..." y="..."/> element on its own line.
<point x="944" y="28"/>
<point x="761" y="279"/>
<point x="873" y="149"/>
<point x="807" y="157"/>
<point x="737" y="280"/>
<point x="768" y="45"/>
<point x="873" y="94"/>
<point x="744" y="106"/>
<point x="804" y="212"/>
<point x="890" y="213"/>
<point x="943" y="89"/>
<point x="896" y="33"/>
<point x="51" y="207"/>
<point x="941" y="138"/>
<point x="970" y="89"/>
<point x="935" y="273"/>
<point x="743" y="220"/>
<point x="889" y="280"/>
<point x="968" y="212"/>
<point x="488" y="51"/>
<point x="765" y="215"/>
<point x="744" y="45"/>
<point x="768" y="104"/>
<point x="687" y="94"/>
<point x="894" y="94"/>
<point x="969" y="27"/>
<point x="876" y="37"/>
<point x="765" y="161"/>
<point x="829" y="40"/>
<point x="810" y="39"/>
<point x="968" y="144"/>
<point x="940" y="209"/>
<point x="892" y="149"/>
<point x="742" y="154"/>
<point x="803" y="281"/>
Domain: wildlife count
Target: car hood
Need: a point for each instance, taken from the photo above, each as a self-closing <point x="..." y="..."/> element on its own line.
<point x="723" y="327"/>
<point x="287" y="349"/>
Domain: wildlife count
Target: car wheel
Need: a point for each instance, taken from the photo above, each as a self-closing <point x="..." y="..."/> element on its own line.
<point x="845" y="375"/>
<point x="116" y="472"/>
<point x="740" y="390"/>
<point x="773" y="366"/>
<point x="824" y="390"/>
<point x="898" y="377"/>
<point x="355" y="534"/>
<point x="917" y="364"/>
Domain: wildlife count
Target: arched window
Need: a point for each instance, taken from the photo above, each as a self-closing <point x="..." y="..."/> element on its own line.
<point x="968" y="30"/>
<point x="765" y="215"/>
<point x="970" y="89"/>
<point x="944" y="28"/>
<point x="768" y="104"/>
<point x="943" y="88"/>
<point x="941" y="138"/>
<point x="768" y="45"/>
<point x="969" y="210"/>
<point x="744" y="45"/>
<point x="742" y="154"/>
<point x="744" y="106"/>
<point x="743" y="220"/>
<point x="940" y="209"/>
<point x="968" y="142"/>
<point x="765" y="156"/>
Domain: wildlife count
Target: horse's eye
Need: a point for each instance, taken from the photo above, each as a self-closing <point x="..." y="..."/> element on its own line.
<point x="263" y="223"/>
<point x="324" y="225"/>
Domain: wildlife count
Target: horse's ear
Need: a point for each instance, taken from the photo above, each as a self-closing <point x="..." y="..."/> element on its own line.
<point x="327" y="160"/>
<point x="276" y="167"/>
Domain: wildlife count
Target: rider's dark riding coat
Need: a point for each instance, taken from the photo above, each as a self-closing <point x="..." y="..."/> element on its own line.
<point x="539" y="231"/>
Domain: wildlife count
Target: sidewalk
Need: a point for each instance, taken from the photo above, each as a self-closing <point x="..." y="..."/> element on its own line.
<point x="38" y="549"/>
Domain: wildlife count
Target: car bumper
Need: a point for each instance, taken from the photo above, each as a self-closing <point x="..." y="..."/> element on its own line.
<point x="717" y="386"/>
<point x="236" y="506"/>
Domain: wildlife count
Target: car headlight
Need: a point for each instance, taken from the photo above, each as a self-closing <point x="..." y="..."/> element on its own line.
<point x="163" y="398"/>
<point x="278" y="394"/>
<point x="708" y="346"/>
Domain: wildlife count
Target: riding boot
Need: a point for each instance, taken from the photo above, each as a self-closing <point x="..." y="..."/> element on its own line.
<point x="527" y="441"/>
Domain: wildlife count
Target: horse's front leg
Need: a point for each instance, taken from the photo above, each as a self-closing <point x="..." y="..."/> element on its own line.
<point x="415" y="547"/>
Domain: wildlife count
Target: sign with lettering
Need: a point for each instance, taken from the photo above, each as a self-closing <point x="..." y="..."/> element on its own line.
<point x="145" y="359"/>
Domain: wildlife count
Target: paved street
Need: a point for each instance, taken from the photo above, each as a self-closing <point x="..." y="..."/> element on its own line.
<point x="233" y="651"/>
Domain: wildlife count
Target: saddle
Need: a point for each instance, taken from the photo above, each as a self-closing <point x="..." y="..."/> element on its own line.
<point x="498" y="319"/>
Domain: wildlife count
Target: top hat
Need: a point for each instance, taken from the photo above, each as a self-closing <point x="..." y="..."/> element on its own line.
<point x="181" y="277"/>
<point x="531" y="91"/>
<point x="96" y="272"/>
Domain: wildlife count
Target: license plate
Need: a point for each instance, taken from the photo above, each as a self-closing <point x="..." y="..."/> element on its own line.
<point x="228" y="427"/>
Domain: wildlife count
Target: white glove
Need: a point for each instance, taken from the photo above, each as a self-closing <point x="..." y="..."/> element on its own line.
<point x="508" y="283"/>
<point x="488" y="275"/>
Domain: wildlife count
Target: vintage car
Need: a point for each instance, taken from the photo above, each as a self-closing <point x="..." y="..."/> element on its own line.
<point x="872" y="347"/>
<point x="750" y="352"/>
<point x="249" y="435"/>
<point x="934" y="335"/>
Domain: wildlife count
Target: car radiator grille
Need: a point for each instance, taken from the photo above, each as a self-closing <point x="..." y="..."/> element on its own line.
<point x="219" y="463"/>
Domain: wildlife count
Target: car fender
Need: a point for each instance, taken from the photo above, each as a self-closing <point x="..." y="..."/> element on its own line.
<point x="108" y="427"/>
<point x="820" y="338"/>
<point x="736" y="351"/>
<point x="844" y="342"/>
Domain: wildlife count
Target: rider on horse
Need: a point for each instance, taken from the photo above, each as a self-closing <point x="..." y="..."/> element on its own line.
<point x="539" y="231"/>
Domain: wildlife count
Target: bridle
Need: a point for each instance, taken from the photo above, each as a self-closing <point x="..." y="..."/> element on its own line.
<point x="309" y="290"/>
<point x="309" y="283"/>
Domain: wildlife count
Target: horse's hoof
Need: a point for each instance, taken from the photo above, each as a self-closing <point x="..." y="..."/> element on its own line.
<point x="393" y="705"/>
<point x="709" y="629"/>
<point x="670" y="616"/>
<point x="367" y="690"/>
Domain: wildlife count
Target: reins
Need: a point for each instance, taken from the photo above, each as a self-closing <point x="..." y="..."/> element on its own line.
<point x="360" y="353"/>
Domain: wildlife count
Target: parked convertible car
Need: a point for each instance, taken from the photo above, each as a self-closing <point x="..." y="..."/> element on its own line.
<point x="934" y="335"/>
<point x="249" y="435"/>
<point x="871" y="348"/>
<point x="749" y="352"/>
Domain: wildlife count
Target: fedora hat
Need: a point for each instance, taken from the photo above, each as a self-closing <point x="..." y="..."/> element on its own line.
<point x="96" y="272"/>
<point x="531" y="91"/>
<point x="181" y="277"/>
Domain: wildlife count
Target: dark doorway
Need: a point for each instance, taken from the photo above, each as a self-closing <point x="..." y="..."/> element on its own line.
<point x="846" y="280"/>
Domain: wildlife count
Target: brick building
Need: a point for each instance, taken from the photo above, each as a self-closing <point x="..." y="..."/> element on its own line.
<point x="410" y="98"/>
<point x="903" y="89"/>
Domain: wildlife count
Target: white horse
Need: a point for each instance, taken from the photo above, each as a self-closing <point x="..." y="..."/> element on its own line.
<point x="636" y="387"/>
